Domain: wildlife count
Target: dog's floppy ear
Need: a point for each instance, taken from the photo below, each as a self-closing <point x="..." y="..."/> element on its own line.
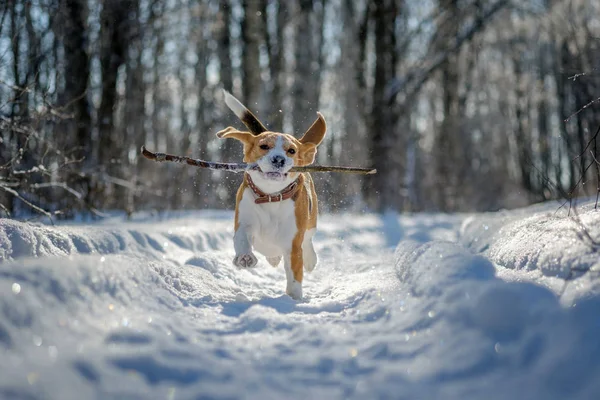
<point x="316" y="132"/>
<point x="231" y="132"/>
<point x="311" y="139"/>
<point x="245" y="115"/>
<point x="307" y="154"/>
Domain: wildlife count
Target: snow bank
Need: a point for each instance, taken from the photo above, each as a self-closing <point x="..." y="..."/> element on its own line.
<point x="18" y="239"/>
<point x="494" y="339"/>
<point x="542" y="244"/>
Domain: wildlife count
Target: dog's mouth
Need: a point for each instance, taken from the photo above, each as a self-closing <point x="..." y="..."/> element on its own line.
<point x="275" y="176"/>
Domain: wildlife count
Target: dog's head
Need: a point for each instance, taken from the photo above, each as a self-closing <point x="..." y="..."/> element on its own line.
<point x="275" y="153"/>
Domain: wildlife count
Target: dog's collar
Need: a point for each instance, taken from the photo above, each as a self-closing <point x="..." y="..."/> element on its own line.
<point x="284" y="194"/>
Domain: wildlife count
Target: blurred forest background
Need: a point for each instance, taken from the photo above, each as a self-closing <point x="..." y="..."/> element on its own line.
<point x="460" y="104"/>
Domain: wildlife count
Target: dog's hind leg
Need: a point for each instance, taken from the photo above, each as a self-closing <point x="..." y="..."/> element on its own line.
<point x="293" y="265"/>
<point x="274" y="261"/>
<point x="308" y="251"/>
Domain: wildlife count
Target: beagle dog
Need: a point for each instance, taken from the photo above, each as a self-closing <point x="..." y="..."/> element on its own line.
<point x="276" y="210"/>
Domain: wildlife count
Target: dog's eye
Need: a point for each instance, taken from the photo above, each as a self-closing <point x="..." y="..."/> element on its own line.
<point x="292" y="151"/>
<point x="264" y="146"/>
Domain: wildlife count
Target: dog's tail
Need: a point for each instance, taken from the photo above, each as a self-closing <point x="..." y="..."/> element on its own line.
<point x="249" y="119"/>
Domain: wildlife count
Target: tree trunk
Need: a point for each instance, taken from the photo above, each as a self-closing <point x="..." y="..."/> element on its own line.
<point x="113" y="42"/>
<point x="543" y="124"/>
<point x="77" y="73"/>
<point x="308" y="48"/>
<point x="447" y="157"/>
<point x="277" y="68"/>
<point x="204" y="177"/>
<point x="380" y="191"/>
<point x="230" y="149"/>
<point x="253" y="31"/>
<point x="523" y="126"/>
<point x="564" y="97"/>
<point x="18" y="107"/>
<point x="134" y="111"/>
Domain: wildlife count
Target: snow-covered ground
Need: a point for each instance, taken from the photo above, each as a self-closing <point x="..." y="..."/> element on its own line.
<point x="495" y="306"/>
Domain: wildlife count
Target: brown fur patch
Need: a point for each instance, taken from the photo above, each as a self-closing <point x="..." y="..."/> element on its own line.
<point x="306" y="218"/>
<point x="297" y="258"/>
<point x="252" y="123"/>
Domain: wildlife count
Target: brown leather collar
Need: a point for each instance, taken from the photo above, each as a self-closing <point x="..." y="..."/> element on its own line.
<point x="288" y="192"/>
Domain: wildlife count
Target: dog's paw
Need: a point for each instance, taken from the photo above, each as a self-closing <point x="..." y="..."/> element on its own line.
<point x="245" y="260"/>
<point x="274" y="261"/>
<point x="294" y="290"/>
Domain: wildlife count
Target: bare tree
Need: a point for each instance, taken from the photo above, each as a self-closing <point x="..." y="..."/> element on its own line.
<point x="307" y="61"/>
<point x="253" y="36"/>
<point x="73" y="32"/>
<point x="382" y="121"/>
<point x="460" y="105"/>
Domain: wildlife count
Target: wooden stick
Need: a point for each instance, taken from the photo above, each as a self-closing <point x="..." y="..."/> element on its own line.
<point x="233" y="167"/>
<point x="242" y="167"/>
<point x="332" y="168"/>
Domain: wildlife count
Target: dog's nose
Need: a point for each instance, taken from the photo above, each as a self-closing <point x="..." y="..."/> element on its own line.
<point x="278" y="161"/>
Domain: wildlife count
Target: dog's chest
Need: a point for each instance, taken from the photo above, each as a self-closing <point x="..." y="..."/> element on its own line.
<point x="273" y="225"/>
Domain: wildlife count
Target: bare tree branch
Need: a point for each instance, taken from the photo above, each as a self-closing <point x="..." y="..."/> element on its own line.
<point x="24" y="200"/>
<point x="416" y="79"/>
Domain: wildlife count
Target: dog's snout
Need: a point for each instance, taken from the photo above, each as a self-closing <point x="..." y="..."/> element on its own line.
<point x="278" y="161"/>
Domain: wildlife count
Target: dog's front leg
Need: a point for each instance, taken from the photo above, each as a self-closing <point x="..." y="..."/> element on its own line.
<point x="244" y="258"/>
<point x="294" y="270"/>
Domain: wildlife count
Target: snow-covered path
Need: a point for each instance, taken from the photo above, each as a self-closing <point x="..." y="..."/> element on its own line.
<point x="154" y="309"/>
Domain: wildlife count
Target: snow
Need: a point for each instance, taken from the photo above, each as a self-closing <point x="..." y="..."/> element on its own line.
<point x="499" y="305"/>
<point x="542" y="244"/>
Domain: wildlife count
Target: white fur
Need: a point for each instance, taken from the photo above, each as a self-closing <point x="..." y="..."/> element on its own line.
<point x="274" y="261"/>
<point x="293" y="288"/>
<point x="268" y="229"/>
<point x="234" y="104"/>
<point x="270" y="185"/>
<point x="309" y="255"/>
